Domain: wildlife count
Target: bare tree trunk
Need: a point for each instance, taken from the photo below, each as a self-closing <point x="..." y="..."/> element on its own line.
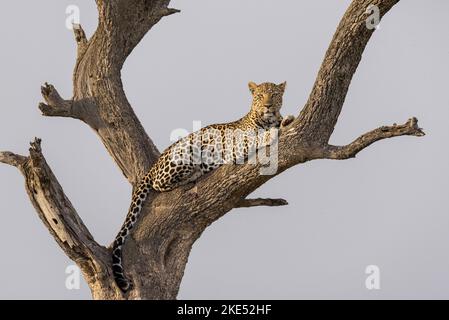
<point x="156" y="254"/>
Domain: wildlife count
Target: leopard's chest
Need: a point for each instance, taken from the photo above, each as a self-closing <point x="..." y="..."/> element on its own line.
<point x="269" y="120"/>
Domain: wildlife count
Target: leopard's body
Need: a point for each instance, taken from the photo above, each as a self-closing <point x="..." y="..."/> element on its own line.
<point x="201" y="152"/>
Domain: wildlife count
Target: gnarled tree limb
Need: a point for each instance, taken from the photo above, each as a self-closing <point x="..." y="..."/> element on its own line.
<point x="410" y="128"/>
<point x="320" y="114"/>
<point x="58" y="215"/>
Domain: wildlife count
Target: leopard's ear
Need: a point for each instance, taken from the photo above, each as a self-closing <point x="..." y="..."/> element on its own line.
<point x="252" y="87"/>
<point x="283" y="85"/>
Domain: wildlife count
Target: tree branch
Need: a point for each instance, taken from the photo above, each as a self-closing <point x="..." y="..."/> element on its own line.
<point x="410" y="128"/>
<point x="57" y="213"/>
<point x="168" y="12"/>
<point x="56" y="106"/>
<point x="12" y="159"/>
<point x="81" y="40"/>
<point x="83" y="109"/>
<point x="320" y="114"/>
<point x="128" y="21"/>
<point x="247" y="203"/>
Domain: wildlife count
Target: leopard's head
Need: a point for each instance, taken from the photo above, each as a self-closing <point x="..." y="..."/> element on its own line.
<point x="267" y="99"/>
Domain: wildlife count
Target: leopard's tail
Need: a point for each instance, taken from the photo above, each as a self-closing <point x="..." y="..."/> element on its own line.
<point x="139" y="197"/>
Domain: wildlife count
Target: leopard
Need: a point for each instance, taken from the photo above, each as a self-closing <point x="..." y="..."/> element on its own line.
<point x="201" y="152"/>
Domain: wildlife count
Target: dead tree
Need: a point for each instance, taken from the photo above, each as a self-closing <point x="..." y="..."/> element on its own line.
<point x="156" y="254"/>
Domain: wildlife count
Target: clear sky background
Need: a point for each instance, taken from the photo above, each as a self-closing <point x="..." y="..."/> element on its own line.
<point x="388" y="207"/>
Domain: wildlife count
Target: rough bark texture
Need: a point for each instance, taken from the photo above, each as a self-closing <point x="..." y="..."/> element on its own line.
<point x="156" y="254"/>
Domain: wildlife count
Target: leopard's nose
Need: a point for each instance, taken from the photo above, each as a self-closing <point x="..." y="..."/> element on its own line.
<point x="268" y="100"/>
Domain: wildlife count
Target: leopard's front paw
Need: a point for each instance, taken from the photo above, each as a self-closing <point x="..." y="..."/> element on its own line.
<point x="287" y="121"/>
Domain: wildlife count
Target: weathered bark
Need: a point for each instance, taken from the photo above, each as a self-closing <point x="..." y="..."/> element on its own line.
<point x="156" y="254"/>
<point x="61" y="219"/>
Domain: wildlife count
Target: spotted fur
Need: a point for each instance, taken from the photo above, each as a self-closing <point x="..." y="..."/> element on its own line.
<point x="195" y="155"/>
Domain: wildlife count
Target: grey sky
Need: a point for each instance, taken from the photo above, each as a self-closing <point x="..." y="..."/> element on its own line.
<point x="388" y="207"/>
